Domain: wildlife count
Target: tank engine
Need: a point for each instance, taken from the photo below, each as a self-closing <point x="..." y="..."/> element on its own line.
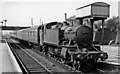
<point x="74" y="43"/>
<point x="71" y="44"/>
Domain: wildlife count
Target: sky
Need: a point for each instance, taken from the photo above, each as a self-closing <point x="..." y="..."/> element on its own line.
<point x="20" y="12"/>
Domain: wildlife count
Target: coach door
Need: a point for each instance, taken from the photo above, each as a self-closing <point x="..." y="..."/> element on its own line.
<point x="40" y="35"/>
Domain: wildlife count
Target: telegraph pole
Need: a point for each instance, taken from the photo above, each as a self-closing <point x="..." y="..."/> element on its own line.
<point x="65" y="16"/>
<point x="32" y="22"/>
<point x="102" y="31"/>
<point x="1" y="29"/>
<point x="40" y="22"/>
<point x="117" y="20"/>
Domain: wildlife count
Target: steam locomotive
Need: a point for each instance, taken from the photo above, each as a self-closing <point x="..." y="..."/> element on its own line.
<point x="69" y="45"/>
<point x="67" y="42"/>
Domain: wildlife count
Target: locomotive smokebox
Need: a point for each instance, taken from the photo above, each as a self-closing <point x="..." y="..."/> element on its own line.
<point x="84" y="35"/>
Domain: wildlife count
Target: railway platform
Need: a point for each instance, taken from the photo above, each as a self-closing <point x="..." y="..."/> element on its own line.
<point x="8" y="63"/>
<point x="113" y="53"/>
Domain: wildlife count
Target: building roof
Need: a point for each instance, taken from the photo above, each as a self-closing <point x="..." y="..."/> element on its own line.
<point x="12" y="27"/>
<point x="71" y="18"/>
<point x="95" y="3"/>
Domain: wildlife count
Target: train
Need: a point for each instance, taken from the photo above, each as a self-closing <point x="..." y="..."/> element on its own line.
<point x="70" y="41"/>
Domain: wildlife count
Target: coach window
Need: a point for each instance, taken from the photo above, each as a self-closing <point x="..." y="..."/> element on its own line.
<point x="33" y="33"/>
<point x="30" y="33"/>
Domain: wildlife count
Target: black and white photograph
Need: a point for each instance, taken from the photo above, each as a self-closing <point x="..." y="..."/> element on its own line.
<point x="60" y="36"/>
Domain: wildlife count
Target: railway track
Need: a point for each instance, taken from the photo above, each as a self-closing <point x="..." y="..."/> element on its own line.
<point x="29" y="63"/>
<point x="34" y="63"/>
<point x="53" y="64"/>
<point x="103" y="67"/>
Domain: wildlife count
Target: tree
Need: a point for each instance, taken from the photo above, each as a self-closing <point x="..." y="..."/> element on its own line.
<point x="113" y="23"/>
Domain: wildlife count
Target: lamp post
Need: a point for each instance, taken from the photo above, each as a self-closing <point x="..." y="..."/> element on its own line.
<point x="5" y="21"/>
<point x="1" y="22"/>
<point x="1" y="29"/>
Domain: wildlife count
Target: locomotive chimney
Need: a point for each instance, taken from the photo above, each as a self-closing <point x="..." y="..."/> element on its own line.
<point x="65" y="16"/>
